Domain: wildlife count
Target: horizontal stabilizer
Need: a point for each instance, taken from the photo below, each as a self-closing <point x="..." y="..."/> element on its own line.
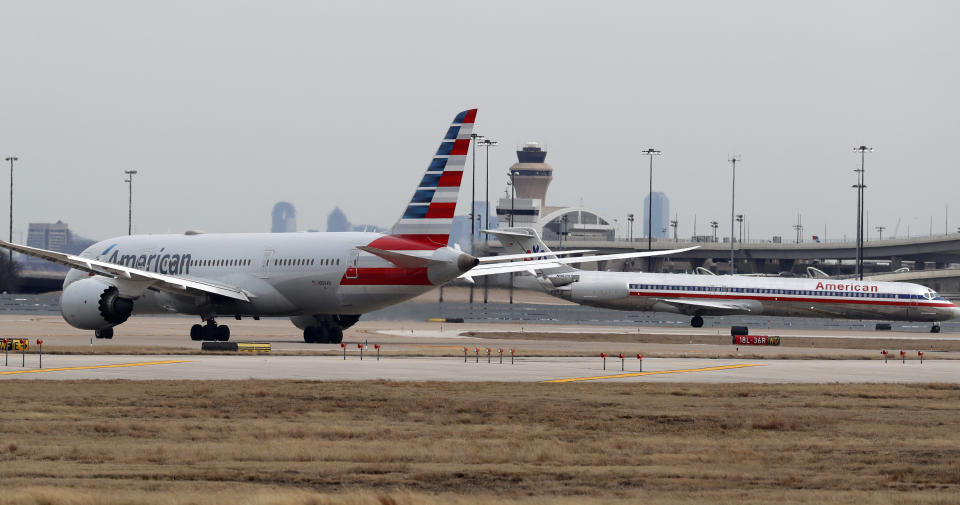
<point x="402" y="260"/>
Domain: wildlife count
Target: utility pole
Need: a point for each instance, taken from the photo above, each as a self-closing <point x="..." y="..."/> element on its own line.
<point x="513" y="195"/>
<point x="740" y="222"/>
<point x="651" y="152"/>
<point x="880" y="229"/>
<point x="799" y="228"/>
<point x="630" y="220"/>
<point x="487" y="143"/>
<point x="863" y="150"/>
<point x="473" y="188"/>
<point x="714" y="225"/>
<point x="129" y="180"/>
<point x="733" y="189"/>
<point x="11" y="159"/>
<point x="673" y="224"/>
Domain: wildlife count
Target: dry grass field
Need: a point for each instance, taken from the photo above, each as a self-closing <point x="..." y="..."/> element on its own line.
<point x="384" y="443"/>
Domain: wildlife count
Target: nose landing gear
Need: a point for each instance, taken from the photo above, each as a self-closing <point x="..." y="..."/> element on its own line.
<point x="935" y="328"/>
<point x="696" y="322"/>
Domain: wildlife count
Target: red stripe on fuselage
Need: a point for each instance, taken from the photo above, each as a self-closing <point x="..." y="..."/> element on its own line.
<point x="387" y="277"/>
<point x="793" y="299"/>
<point x="412" y="242"/>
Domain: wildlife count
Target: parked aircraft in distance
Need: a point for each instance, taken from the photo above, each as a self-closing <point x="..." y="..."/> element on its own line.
<point x="322" y="281"/>
<point x="720" y="295"/>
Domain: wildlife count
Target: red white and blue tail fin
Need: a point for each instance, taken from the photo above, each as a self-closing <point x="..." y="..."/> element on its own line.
<point x="429" y="216"/>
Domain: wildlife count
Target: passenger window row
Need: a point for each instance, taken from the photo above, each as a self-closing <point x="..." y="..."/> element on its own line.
<point x="298" y="262"/>
<point x="225" y="262"/>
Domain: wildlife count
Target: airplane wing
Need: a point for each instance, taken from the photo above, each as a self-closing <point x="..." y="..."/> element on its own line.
<point x="533" y="266"/>
<point x="692" y="305"/>
<point x="163" y="282"/>
<point x="505" y="257"/>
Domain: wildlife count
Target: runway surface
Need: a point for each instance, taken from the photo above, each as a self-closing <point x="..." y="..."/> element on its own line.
<point x="557" y="369"/>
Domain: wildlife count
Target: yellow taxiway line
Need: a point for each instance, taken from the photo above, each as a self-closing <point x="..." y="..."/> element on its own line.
<point x="121" y="365"/>
<point x="638" y="374"/>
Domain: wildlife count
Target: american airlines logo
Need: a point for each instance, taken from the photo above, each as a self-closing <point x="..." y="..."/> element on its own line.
<point x="168" y="264"/>
<point x="846" y="287"/>
<point x="535" y="249"/>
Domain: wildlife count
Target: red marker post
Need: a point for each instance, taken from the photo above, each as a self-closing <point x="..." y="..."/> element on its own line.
<point x="501" y="354"/>
<point x="920" y="353"/>
<point x="604" y="356"/>
<point x="40" y="350"/>
<point x="640" y="360"/>
<point x="511" y="356"/>
<point x="465" y="354"/>
<point x="344" y="347"/>
<point x="488" y="355"/>
<point x="621" y="361"/>
<point x="377" y="347"/>
<point x="903" y="357"/>
<point x="476" y="352"/>
<point x="884" y="353"/>
<point x="6" y="352"/>
<point x="360" y="346"/>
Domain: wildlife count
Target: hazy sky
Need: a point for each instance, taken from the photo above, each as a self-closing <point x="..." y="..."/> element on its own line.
<point x="227" y="107"/>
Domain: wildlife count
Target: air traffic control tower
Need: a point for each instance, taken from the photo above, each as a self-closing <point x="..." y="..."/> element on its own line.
<point x="531" y="173"/>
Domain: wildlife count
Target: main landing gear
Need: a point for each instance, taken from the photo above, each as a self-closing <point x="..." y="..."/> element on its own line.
<point x="210" y="331"/>
<point x="696" y="322"/>
<point x="323" y="334"/>
<point x="935" y="328"/>
<point x="104" y="333"/>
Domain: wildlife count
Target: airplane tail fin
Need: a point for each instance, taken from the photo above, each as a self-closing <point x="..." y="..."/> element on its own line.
<point x="527" y="241"/>
<point x="426" y="222"/>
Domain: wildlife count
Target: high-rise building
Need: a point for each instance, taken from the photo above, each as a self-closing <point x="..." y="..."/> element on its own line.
<point x="50" y="236"/>
<point x="661" y="215"/>
<point x="337" y="221"/>
<point x="284" y="218"/>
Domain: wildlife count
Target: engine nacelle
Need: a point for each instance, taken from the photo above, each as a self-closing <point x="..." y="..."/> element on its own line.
<point x="94" y="304"/>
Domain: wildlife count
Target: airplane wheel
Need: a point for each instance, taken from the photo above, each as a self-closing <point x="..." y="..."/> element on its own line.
<point x="196" y="332"/>
<point x="104" y="333"/>
<point x="696" y="322"/>
<point x="223" y="333"/>
<point x="210" y="331"/>
<point x="323" y="334"/>
<point x="310" y="334"/>
<point x="935" y="328"/>
<point x="336" y="335"/>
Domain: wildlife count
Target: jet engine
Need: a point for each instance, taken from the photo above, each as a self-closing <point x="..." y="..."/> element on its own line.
<point x="94" y="304"/>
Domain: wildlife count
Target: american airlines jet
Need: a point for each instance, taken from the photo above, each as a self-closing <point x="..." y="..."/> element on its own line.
<point x="322" y="281"/>
<point x="719" y="295"/>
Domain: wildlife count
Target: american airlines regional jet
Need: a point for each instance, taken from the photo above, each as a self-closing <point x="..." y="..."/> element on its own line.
<point x="719" y="295"/>
<point x="322" y="281"/>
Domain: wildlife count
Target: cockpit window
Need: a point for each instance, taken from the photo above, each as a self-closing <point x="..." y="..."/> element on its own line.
<point x="930" y="294"/>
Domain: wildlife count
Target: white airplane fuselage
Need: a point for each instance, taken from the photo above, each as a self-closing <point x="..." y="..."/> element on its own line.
<point x="699" y="295"/>
<point x="285" y="274"/>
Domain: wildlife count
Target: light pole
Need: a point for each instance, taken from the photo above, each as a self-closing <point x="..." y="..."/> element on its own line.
<point x="673" y="224"/>
<point x="651" y="152"/>
<point x="487" y="143"/>
<point x="11" y="159"/>
<point x="740" y="221"/>
<point x="880" y="229"/>
<point x="733" y="188"/>
<point x="473" y="187"/>
<point x="799" y="228"/>
<point x="714" y="225"/>
<point x="513" y="196"/>
<point x="630" y="220"/>
<point x="129" y="181"/>
<point x="863" y="150"/>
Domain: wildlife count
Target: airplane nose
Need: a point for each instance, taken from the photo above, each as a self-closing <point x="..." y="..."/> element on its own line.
<point x="466" y="262"/>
